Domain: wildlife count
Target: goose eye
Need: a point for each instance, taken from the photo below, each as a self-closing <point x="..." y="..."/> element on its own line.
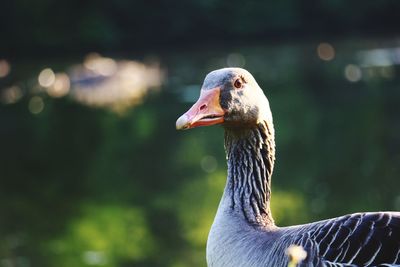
<point x="238" y="84"/>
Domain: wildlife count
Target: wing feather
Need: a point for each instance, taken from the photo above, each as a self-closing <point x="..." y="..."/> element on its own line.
<point x="361" y="239"/>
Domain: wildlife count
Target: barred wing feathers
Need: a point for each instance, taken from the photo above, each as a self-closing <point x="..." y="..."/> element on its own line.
<point x="360" y="239"/>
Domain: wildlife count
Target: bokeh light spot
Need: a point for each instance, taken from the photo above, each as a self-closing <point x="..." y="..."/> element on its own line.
<point x="100" y="65"/>
<point x="60" y="87"/>
<point x="11" y="95"/>
<point x="105" y="82"/>
<point x="326" y="51"/>
<point x="46" y="77"/>
<point x="36" y="105"/>
<point x="352" y="73"/>
<point x="4" y="68"/>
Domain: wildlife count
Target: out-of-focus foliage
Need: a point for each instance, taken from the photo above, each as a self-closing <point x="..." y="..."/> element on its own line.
<point x="84" y="186"/>
<point x="103" y="235"/>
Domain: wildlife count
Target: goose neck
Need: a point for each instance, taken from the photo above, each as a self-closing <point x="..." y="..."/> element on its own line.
<point x="250" y="155"/>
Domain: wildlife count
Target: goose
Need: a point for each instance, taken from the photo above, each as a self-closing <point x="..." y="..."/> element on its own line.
<point x="243" y="232"/>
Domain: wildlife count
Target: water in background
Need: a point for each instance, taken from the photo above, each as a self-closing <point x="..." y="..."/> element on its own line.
<point x="94" y="173"/>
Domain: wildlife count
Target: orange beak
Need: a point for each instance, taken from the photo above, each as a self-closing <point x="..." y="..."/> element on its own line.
<point x="206" y="111"/>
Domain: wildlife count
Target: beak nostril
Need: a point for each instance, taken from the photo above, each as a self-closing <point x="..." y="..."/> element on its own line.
<point x="202" y="107"/>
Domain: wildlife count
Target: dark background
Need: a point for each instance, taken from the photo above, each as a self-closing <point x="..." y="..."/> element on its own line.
<point x="93" y="178"/>
<point x="75" y="26"/>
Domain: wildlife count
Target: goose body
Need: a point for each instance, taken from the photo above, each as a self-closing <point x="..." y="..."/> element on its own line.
<point x="243" y="232"/>
<point x="360" y="239"/>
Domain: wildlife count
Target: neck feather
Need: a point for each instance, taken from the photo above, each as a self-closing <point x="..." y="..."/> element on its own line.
<point x="251" y="155"/>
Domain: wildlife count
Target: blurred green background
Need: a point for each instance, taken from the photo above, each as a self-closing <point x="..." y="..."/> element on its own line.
<point x="93" y="172"/>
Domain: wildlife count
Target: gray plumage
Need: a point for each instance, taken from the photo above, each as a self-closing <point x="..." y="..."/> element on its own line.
<point x="244" y="233"/>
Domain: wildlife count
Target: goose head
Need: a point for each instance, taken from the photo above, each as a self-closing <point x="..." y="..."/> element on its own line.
<point x="231" y="97"/>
